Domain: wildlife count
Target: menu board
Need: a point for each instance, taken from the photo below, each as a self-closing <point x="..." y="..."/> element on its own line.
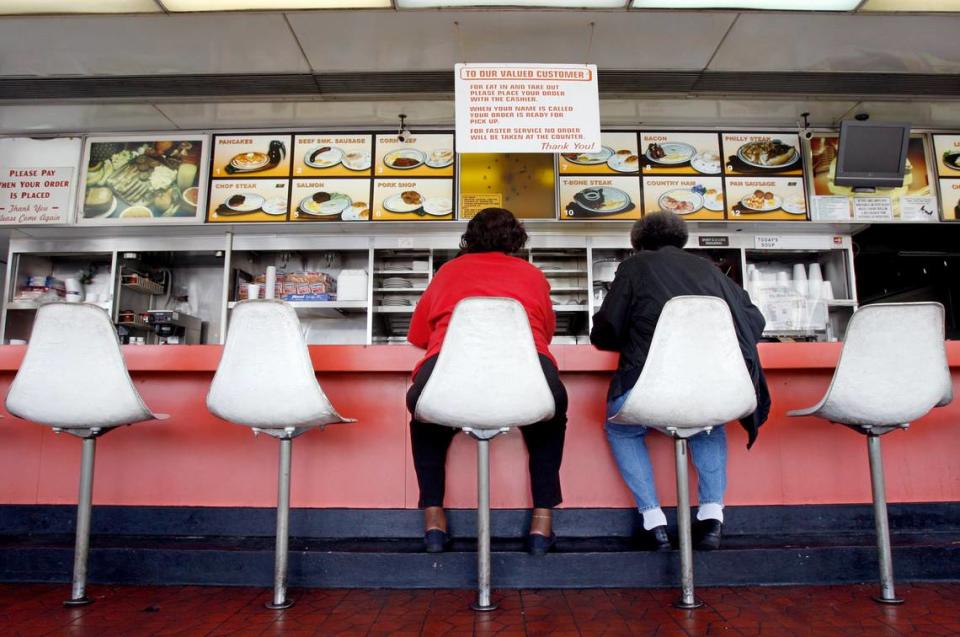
<point x="914" y="200"/>
<point x="947" y="150"/>
<point x="617" y="156"/>
<point x="765" y="198"/>
<point x="763" y="177"/>
<point x="38" y="179"/>
<point x="693" y="198"/>
<point x="674" y="153"/>
<point x="422" y="155"/>
<point x="241" y="156"/>
<point x="330" y="200"/>
<point x="412" y="199"/>
<point x="594" y="198"/>
<point x="762" y="154"/>
<point x="413" y="177"/>
<point x="144" y="179"/>
<point x="233" y="200"/>
<point x="523" y="183"/>
<point x="332" y="155"/>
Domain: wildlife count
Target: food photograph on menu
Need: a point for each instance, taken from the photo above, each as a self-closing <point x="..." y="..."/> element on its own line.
<point x="341" y="155"/>
<point x="413" y="200"/>
<point x="245" y="200"/>
<point x="765" y="199"/>
<point x="693" y="198"/>
<point x="617" y="156"/>
<point x="140" y="179"/>
<point x="950" y="198"/>
<point x="666" y="153"/>
<point x="330" y="200"/>
<point x="947" y="150"/>
<point x="599" y="198"/>
<point x="239" y="156"/>
<point x="420" y="155"/>
<point x="748" y="153"/>
<point x="914" y="200"/>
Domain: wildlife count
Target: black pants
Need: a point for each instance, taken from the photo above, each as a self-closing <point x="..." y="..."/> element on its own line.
<point x="544" y="442"/>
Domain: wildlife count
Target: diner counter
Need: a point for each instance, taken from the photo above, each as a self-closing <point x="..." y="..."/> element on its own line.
<point x="195" y="459"/>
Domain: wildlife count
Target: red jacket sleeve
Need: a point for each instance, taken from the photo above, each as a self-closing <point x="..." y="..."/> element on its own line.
<point x="419" y="332"/>
<point x="549" y="316"/>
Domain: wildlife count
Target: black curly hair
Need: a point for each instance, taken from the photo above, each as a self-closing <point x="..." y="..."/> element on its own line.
<point x="494" y="230"/>
<point x="659" y="229"/>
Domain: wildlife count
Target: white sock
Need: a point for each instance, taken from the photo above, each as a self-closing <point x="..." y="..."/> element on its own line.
<point x="710" y="511"/>
<point x="652" y="518"/>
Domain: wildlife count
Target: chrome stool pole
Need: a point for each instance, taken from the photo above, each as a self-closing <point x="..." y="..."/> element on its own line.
<point x="687" y="599"/>
<point x="881" y="522"/>
<point x="483" y="438"/>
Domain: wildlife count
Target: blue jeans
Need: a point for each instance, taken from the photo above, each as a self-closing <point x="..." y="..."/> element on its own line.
<point x="629" y="446"/>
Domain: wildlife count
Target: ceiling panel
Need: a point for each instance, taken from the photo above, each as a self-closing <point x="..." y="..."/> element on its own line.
<point x="384" y="41"/>
<point x="81" y="118"/>
<point x="911" y="5"/>
<point x="838" y="43"/>
<point x="34" y="7"/>
<point x="274" y="5"/>
<point x="148" y="45"/>
<point x="307" y="114"/>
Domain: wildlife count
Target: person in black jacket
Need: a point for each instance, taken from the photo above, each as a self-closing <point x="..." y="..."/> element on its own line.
<point x="659" y="271"/>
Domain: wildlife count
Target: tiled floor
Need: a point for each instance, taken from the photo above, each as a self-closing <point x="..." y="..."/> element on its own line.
<point x="32" y="609"/>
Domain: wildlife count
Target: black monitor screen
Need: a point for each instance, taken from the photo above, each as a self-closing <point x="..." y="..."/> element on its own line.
<point x="872" y="154"/>
<point x="872" y="149"/>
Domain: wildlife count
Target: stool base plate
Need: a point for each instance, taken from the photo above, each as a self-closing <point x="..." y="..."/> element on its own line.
<point x="83" y="601"/>
<point x="895" y="601"/>
<point x="285" y="604"/>
<point x="483" y="609"/>
<point x="687" y="606"/>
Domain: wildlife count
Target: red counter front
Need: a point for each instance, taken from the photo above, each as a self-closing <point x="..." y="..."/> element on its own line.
<point x="195" y="459"/>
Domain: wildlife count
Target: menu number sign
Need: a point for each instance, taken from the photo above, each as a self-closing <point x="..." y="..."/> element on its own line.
<point x="527" y="108"/>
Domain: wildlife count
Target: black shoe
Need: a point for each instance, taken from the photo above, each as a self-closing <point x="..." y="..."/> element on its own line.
<point x="436" y="541"/>
<point x="538" y="544"/>
<point x="707" y="534"/>
<point x="656" y="539"/>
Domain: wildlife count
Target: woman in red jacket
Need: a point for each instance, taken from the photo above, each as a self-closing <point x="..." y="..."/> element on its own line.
<point x="485" y="268"/>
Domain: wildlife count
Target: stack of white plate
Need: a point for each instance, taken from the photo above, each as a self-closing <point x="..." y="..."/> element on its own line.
<point x="396" y="283"/>
<point x="396" y="302"/>
<point x="398" y="266"/>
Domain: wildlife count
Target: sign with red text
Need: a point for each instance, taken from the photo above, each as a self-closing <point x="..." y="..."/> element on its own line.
<point x="527" y="108"/>
<point x="38" y="180"/>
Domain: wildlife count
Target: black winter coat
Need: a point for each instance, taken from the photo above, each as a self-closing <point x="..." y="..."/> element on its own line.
<point x="642" y="286"/>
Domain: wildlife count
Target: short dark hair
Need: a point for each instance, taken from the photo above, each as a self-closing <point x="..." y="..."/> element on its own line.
<point x="659" y="229"/>
<point x="494" y="230"/>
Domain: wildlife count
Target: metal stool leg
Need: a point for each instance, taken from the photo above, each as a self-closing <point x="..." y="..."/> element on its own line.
<point x="887" y="593"/>
<point x="78" y="595"/>
<point x="687" y="599"/>
<point x="280" y="600"/>
<point x="483" y="437"/>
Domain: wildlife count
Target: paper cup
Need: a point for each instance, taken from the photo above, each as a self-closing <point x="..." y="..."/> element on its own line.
<point x="253" y="291"/>
<point x="826" y="290"/>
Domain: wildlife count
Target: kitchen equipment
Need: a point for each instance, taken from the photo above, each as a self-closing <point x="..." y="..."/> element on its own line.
<point x="175" y="328"/>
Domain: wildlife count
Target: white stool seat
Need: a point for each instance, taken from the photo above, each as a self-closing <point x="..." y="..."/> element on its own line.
<point x="694" y="377"/>
<point x="488" y="373"/>
<point x="73" y="376"/>
<point x="487" y="379"/>
<point x="893" y="370"/>
<point x="265" y="378"/>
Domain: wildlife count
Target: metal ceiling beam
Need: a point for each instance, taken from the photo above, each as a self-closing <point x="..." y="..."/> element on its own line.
<point x="415" y="84"/>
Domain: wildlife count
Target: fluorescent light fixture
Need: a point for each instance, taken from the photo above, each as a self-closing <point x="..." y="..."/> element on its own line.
<point x="768" y="5"/>
<point x="272" y="5"/>
<point x="542" y="4"/>
<point x="34" y="7"/>
<point x="911" y="5"/>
